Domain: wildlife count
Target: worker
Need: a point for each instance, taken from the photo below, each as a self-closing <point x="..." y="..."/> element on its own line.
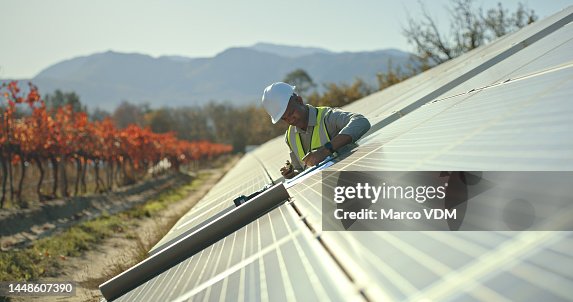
<point x="314" y="133"/>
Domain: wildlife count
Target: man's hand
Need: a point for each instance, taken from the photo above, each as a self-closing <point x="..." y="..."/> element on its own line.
<point x="315" y="157"/>
<point x="288" y="170"/>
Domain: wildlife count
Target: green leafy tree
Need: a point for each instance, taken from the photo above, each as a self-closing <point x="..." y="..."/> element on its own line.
<point x="340" y="95"/>
<point x="127" y="113"/>
<point x="99" y="114"/>
<point x="301" y="80"/>
<point x="60" y="99"/>
<point x="161" y="120"/>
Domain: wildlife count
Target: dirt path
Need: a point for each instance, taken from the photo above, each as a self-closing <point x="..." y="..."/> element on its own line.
<point x="89" y="270"/>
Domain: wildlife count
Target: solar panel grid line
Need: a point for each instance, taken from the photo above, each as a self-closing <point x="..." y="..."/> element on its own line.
<point x="478" y="292"/>
<point x="283" y="216"/>
<point x="551" y="282"/>
<point x="513" y="80"/>
<point x="489" y="240"/>
<point x="171" y="276"/>
<point x="464" y="245"/>
<point x="224" y="286"/>
<point x="161" y="282"/>
<point x="437" y="109"/>
<point x="207" y="202"/>
<point x="355" y="265"/>
<point x="198" y="287"/>
<point x="564" y="41"/>
<point x="303" y="197"/>
<point x="143" y="292"/>
<point x="345" y="288"/>
<point x="387" y="146"/>
<point x="267" y="172"/>
<point x="241" y="294"/>
<point x="554" y="58"/>
<point x="210" y="290"/>
<point x="216" y="264"/>
<point x="486" y="125"/>
<point x="427" y="260"/>
<point x="204" y="253"/>
<point x="557" y="263"/>
<point x="289" y="291"/>
<point x="433" y="265"/>
<point x="186" y="224"/>
<point x="204" y="267"/>
<point x="198" y="219"/>
<point x="361" y="293"/>
<point x="504" y="71"/>
<point x="226" y="280"/>
<point x="504" y="256"/>
<point x="542" y="72"/>
<point x="313" y="278"/>
<point x="254" y="286"/>
<point x="515" y="288"/>
<point x="455" y="242"/>
<point x="360" y="283"/>
<point x="547" y="220"/>
<point x="564" y="249"/>
<point x="262" y="274"/>
<point x="176" y="285"/>
<point x="481" y="292"/>
<point x="283" y="272"/>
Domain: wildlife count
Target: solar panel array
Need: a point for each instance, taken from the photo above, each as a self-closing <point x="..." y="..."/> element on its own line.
<point x="503" y="107"/>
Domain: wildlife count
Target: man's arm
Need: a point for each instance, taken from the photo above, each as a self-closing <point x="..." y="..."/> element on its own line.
<point x="293" y="161"/>
<point x="291" y="169"/>
<point x="354" y="125"/>
<point x="349" y="126"/>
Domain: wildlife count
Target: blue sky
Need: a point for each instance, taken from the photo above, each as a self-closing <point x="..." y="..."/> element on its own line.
<point x="38" y="33"/>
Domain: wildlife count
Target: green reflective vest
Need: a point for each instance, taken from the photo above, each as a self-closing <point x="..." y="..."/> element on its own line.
<point x="319" y="136"/>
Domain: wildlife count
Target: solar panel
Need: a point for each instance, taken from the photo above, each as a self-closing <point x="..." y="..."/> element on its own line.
<point x="502" y="107"/>
<point x="270" y="259"/>
<point x="246" y="177"/>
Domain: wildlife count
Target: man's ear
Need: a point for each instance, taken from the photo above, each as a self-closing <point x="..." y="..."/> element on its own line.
<point x="299" y="100"/>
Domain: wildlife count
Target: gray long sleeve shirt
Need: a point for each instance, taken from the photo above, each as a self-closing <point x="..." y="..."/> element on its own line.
<point x="337" y="122"/>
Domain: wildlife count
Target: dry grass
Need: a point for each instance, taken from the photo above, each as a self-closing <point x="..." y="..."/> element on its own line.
<point x="45" y="256"/>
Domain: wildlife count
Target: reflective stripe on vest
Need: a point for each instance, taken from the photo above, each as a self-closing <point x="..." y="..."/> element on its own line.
<point x="319" y="136"/>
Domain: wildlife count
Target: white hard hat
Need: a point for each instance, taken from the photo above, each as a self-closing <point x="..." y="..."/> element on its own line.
<point x="275" y="99"/>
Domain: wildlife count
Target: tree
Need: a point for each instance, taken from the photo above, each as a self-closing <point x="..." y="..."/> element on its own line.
<point x="126" y="114"/>
<point x="161" y="121"/>
<point x="340" y="95"/>
<point x="301" y="80"/>
<point x="60" y="99"/>
<point x="470" y="29"/>
<point x="394" y="74"/>
<point x="191" y="124"/>
<point x="61" y="137"/>
<point x="99" y="114"/>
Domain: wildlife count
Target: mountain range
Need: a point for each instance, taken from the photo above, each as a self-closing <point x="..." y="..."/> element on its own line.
<point x="237" y="75"/>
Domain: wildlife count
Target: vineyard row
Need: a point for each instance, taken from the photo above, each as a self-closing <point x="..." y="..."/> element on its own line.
<point x="63" y="137"/>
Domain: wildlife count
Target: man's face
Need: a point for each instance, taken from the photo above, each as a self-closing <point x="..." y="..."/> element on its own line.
<point x="295" y="114"/>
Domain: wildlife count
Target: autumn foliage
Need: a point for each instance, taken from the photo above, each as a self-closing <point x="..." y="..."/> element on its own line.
<point x="32" y="134"/>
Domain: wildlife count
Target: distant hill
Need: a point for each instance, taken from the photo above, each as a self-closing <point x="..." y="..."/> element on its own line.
<point x="237" y="74"/>
<point x="288" y="51"/>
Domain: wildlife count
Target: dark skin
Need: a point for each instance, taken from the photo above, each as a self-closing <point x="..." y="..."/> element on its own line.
<point x="296" y="114"/>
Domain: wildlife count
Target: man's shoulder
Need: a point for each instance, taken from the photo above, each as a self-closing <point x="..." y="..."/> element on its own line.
<point x="327" y="110"/>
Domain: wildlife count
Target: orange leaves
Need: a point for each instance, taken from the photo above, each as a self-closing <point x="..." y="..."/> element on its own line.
<point x="66" y="133"/>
